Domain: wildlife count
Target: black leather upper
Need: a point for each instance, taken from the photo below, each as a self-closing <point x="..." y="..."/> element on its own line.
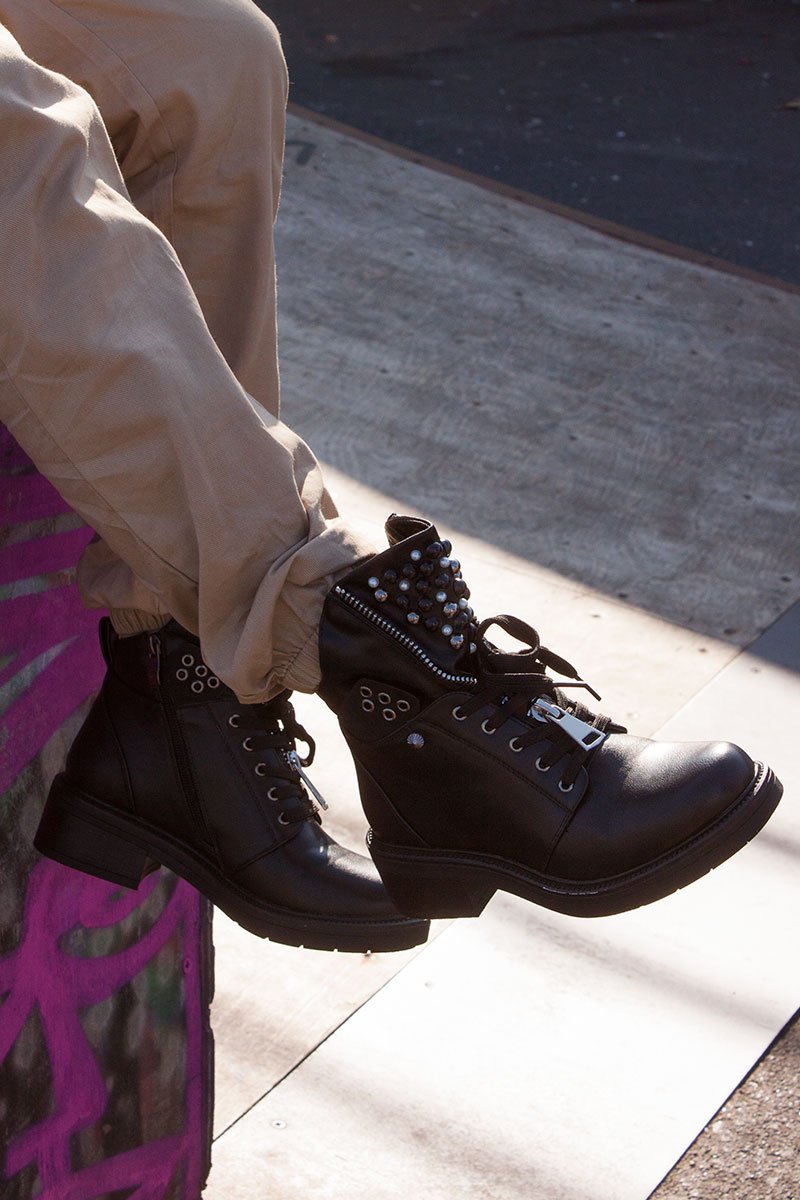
<point x="431" y="779"/>
<point x="163" y="742"/>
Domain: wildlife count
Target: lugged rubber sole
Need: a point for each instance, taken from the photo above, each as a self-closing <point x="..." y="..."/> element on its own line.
<point x="83" y="832"/>
<point x="440" y="883"/>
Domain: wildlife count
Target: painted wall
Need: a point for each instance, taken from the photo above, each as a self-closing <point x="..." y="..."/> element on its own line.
<point x="105" y="1047"/>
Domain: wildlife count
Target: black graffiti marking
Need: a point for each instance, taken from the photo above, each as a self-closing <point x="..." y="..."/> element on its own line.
<point x="305" y="151"/>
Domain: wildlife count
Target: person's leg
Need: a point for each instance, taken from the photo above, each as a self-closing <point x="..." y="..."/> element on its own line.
<point x="114" y="386"/>
<point x="193" y="97"/>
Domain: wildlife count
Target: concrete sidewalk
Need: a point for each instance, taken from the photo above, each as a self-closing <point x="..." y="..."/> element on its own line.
<point x="610" y="437"/>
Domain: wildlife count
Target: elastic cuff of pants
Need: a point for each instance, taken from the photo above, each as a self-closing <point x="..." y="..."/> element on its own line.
<point x="127" y="622"/>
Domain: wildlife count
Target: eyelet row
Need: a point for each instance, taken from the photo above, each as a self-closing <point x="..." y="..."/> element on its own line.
<point x="513" y="745"/>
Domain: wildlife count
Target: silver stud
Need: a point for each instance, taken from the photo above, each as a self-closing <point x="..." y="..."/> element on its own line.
<point x="450" y="609"/>
<point x="373" y="581"/>
<point x="416" y="740"/>
<point x="444" y="563"/>
<point x="447" y="630"/>
<point x="412" y="617"/>
<point x="441" y="597"/>
<point x="455" y="565"/>
<point x="404" y="585"/>
<point x="381" y="595"/>
<point x="472" y="647"/>
<point x="462" y="604"/>
<point x="416" y="555"/>
<point x="197" y="686"/>
<point x="457" y="642"/>
<point x="181" y="674"/>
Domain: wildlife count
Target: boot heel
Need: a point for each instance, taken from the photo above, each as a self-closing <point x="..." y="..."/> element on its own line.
<point x="422" y="887"/>
<point x="74" y="832"/>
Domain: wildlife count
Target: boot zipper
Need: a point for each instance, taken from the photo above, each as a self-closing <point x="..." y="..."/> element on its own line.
<point x="402" y="638"/>
<point x="178" y="748"/>
<point x="294" y="760"/>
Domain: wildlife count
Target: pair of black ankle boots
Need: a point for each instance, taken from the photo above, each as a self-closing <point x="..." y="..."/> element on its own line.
<point x="479" y="770"/>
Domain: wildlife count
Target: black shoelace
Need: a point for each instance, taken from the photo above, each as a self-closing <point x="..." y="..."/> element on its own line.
<point x="512" y="682"/>
<point x="273" y="727"/>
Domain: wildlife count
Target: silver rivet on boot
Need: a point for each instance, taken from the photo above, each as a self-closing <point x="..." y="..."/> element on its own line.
<point x="415" y="740"/>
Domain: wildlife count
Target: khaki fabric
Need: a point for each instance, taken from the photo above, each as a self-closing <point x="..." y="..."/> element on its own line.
<point x="140" y="164"/>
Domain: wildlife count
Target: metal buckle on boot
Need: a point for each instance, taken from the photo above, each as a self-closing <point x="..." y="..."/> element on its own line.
<point x="587" y="736"/>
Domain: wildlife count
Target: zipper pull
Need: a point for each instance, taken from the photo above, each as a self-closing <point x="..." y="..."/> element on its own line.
<point x="154" y="642"/>
<point x="294" y="759"/>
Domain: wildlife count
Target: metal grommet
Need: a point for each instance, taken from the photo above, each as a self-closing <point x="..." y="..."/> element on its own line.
<point x="384" y="698"/>
<point x="197" y="686"/>
<point x="213" y="682"/>
<point x="260" y="769"/>
<point x="283" y="819"/>
<point x="366" y="692"/>
<point x="389" y="714"/>
<point x="561" y="787"/>
<point x="233" y="721"/>
<point x="247" y="744"/>
<point x="457" y="713"/>
<point x="272" y="794"/>
<point x="181" y="674"/>
<point x="403" y="706"/>
<point x="368" y="705"/>
<point x="539" y="767"/>
<point x="187" y="660"/>
<point x="201" y="669"/>
<point x="485" y="730"/>
<point x="515" y="746"/>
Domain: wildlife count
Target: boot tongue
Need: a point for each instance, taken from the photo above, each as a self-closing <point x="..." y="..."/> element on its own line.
<point x="399" y="528"/>
<point x="418" y="587"/>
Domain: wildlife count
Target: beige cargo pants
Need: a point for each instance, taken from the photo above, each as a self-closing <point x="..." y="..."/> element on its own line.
<point x="141" y="146"/>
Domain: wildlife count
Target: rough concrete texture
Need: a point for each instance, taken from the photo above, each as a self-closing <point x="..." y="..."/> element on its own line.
<point x="382" y="354"/>
<point x="751" y="1150"/>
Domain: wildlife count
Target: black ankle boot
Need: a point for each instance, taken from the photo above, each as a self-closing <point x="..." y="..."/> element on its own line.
<point x="170" y="768"/>
<point x="478" y="771"/>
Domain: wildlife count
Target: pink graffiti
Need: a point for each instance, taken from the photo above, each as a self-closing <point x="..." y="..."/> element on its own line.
<point x="44" y="625"/>
<point x="35" y="624"/>
<point x="41" y="976"/>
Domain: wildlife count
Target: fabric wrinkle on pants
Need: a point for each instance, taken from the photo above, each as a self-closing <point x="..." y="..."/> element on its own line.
<point x="138" y="322"/>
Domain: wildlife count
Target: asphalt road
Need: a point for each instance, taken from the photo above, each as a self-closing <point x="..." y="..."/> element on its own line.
<point x="680" y="118"/>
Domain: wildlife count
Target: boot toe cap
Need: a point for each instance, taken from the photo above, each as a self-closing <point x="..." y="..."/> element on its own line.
<point x="645" y="800"/>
